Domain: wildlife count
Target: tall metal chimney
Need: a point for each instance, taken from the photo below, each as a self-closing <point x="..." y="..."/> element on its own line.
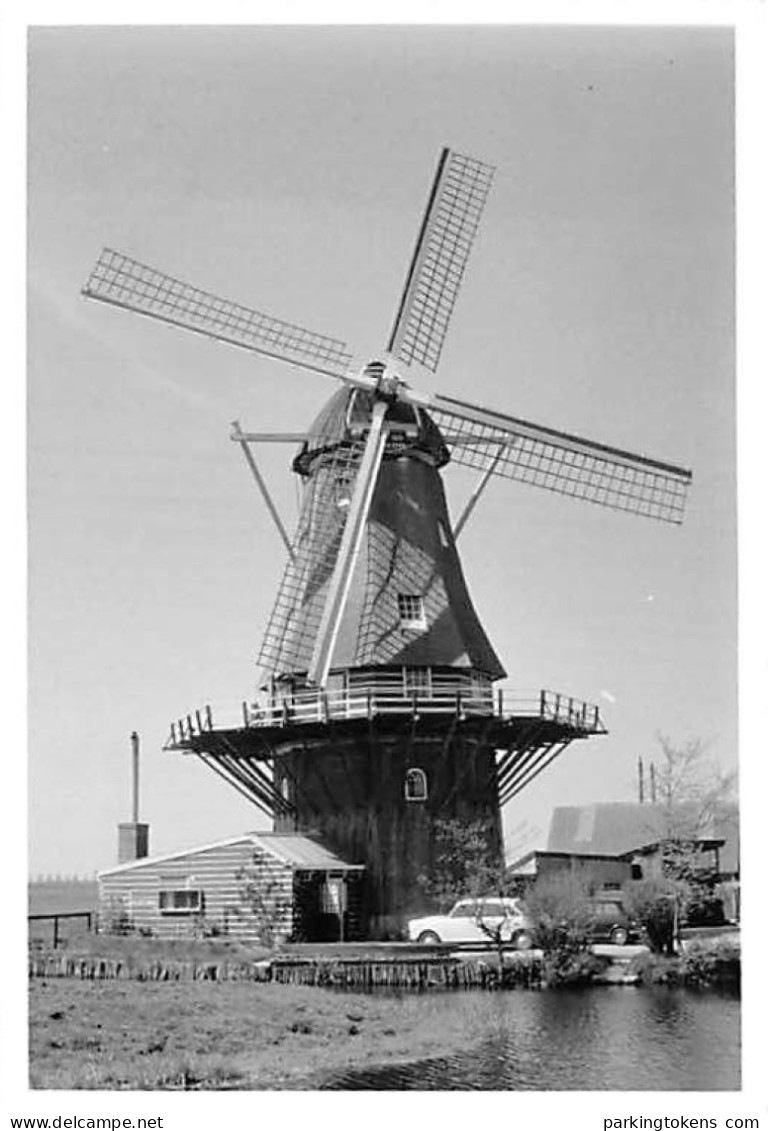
<point x="135" y="791"/>
<point x="640" y="781"/>
<point x="133" y="836"/>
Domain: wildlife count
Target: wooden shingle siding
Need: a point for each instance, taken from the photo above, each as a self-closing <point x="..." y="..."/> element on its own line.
<point x="130" y="897"/>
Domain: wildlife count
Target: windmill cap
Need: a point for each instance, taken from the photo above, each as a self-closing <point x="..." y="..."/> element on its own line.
<point x="347" y="408"/>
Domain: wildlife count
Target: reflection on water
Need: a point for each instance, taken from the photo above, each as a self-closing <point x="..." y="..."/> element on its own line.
<point x="615" y="1038"/>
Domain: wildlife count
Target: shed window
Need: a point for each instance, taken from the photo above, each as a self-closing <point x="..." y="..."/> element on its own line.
<point x="180" y="901"/>
<point x="410" y="607"/>
<point x="415" y="785"/>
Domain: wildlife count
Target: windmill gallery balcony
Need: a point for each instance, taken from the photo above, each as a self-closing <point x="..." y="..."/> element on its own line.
<point x="381" y="698"/>
<point x="505" y="738"/>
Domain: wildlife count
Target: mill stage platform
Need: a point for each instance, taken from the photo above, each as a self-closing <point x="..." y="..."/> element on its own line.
<point x="257" y="723"/>
<point x="527" y="731"/>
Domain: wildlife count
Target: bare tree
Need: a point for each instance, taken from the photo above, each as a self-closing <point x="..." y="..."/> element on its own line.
<point x="467" y="865"/>
<point x="691" y="791"/>
<point x="691" y="794"/>
<point x="267" y="896"/>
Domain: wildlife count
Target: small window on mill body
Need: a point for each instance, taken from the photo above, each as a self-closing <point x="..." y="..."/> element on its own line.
<point x="410" y="607"/>
<point x="415" y="785"/>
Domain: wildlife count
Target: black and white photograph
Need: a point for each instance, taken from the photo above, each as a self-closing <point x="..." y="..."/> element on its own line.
<point x="382" y="597"/>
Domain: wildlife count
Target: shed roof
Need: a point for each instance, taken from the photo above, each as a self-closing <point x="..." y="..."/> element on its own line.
<point x="528" y="864"/>
<point x="524" y="866"/>
<point x="302" y="852"/>
<point x="612" y="828"/>
<point x="299" y="852"/>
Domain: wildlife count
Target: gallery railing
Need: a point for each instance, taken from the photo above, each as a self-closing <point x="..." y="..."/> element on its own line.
<point x="373" y="700"/>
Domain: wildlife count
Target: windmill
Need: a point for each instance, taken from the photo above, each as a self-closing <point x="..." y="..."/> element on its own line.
<point x="378" y="716"/>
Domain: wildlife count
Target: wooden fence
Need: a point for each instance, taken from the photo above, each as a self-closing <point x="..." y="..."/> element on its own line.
<point x="360" y="974"/>
<point x="88" y="916"/>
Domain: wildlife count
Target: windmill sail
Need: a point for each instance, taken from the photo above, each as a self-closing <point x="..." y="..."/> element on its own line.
<point x="349" y="546"/>
<point x="120" y="281"/>
<point x="442" y="249"/>
<point x="294" y="622"/>
<point x="560" y="462"/>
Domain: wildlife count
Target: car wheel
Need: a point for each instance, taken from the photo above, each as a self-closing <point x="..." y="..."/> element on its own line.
<point x="619" y="936"/>
<point x="523" y="940"/>
<point x="428" y="938"/>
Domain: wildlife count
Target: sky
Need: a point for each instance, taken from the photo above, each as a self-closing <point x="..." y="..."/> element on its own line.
<point x="288" y="168"/>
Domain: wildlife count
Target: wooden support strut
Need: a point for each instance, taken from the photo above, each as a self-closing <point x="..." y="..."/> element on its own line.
<point x="515" y="761"/>
<point x="210" y="761"/>
<point x="239" y="770"/>
<point x="532" y="755"/>
<point x="482" y="483"/>
<point x="520" y="753"/>
<point x="536" y="770"/>
<point x="254" y="776"/>
<point x="240" y="438"/>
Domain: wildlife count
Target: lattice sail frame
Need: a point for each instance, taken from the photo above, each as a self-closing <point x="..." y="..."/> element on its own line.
<point x="121" y="281"/>
<point x="445" y="240"/>
<point x="293" y="625"/>
<point x="560" y="462"/>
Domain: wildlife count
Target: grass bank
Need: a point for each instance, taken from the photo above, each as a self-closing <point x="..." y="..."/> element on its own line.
<point x="143" y="1035"/>
<point x="131" y="1034"/>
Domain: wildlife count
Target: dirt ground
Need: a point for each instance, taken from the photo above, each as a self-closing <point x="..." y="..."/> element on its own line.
<point x="140" y="1035"/>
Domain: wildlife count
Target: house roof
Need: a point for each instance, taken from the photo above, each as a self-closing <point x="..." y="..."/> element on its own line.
<point x="299" y="852"/>
<point x="525" y="865"/>
<point x="612" y="828"/>
<point x="302" y="852"/>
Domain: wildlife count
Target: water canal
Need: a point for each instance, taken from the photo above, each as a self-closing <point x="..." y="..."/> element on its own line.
<point x="614" y="1038"/>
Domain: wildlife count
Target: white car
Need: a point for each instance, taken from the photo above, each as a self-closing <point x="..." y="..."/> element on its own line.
<point x="465" y="921"/>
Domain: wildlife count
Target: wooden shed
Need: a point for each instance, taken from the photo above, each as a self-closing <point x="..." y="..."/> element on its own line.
<point x="255" y="887"/>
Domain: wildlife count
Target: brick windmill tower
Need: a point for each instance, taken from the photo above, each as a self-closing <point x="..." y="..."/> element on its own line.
<point x="378" y="714"/>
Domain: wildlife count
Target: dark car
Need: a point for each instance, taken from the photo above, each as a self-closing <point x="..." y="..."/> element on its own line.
<point x="609" y="922"/>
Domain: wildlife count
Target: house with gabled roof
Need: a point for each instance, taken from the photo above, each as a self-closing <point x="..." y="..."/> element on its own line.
<point x="630" y="830"/>
<point x="244" y="887"/>
<point x="609" y="844"/>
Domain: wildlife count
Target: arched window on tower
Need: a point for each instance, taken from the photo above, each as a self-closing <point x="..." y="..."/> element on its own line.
<point x="415" y="784"/>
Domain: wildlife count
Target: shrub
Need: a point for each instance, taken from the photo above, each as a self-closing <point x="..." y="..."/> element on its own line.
<point x="567" y="967"/>
<point x="560" y="913"/>
<point x="652" y="903"/>
<point x="712" y="963"/>
<point x="656" y="969"/>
